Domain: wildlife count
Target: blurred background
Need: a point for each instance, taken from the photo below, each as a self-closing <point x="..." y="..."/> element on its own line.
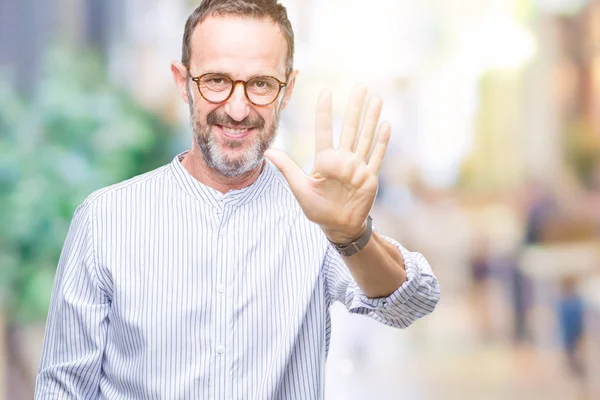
<point x="493" y="172"/>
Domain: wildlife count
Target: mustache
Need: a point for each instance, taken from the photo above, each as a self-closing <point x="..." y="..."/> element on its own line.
<point x="251" y="121"/>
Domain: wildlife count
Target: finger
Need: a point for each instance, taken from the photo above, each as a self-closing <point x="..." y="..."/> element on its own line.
<point x="367" y="132"/>
<point x="292" y="172"/>
<point x="323" y="124"/>
<point x="380" y="148"/>
<point x="352" y="118"/>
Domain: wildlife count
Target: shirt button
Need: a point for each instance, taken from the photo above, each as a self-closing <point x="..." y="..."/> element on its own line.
<point x="221" y="288"/>
<point x="220" y="349"/>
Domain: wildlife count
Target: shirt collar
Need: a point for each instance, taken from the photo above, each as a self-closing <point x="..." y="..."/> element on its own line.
<point x="208" y="195"/>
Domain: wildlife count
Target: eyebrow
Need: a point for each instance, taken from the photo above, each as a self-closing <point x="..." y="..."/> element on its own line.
<point x="247" y="79"/>
<point x="284" y="79"/>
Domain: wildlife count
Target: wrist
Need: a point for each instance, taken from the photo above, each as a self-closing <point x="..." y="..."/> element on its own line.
<point x="350" y="245"/>
<point x="343" y="238"/>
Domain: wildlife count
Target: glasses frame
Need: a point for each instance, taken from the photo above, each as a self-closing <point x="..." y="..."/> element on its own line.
<point x="234" y="84"/>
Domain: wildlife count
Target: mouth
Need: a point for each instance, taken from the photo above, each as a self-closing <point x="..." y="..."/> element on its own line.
<point x="234" y="133"/>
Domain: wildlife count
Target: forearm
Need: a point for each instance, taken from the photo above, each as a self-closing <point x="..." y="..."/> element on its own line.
<point x="383" y="280"/>
<point x="378" y="269"/>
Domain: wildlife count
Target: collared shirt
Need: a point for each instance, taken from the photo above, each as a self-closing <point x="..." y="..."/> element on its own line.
<point x="168" y="289"/>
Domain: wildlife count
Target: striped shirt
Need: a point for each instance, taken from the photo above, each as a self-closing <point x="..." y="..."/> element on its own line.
<point x="168" y="289"/>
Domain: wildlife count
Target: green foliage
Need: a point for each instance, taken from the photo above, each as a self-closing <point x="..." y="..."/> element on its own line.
<point x="75" y="135"/>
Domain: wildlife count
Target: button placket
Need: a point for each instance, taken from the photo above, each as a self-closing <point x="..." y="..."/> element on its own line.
<point x="223" y="217"/>
<point x="220" y="288"/>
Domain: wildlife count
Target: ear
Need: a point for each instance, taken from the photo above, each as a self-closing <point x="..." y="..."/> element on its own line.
<point x="289" y="88"/>
<point x="180" y="77"/>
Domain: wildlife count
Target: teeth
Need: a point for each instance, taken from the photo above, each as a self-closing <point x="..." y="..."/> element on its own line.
<point x="231" y="131"/>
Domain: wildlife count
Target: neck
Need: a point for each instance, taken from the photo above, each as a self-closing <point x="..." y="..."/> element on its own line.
<point x="194" y="163"/>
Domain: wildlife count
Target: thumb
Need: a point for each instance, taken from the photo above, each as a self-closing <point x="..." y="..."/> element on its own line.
<point x="292" y="172"/>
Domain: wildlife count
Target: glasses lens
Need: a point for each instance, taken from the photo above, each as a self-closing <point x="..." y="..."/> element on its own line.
<point x="215" y="87"/>
<point x="262" y="90"/>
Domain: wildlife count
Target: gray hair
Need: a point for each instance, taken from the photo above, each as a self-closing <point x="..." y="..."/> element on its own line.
<point x="258" y="9"/>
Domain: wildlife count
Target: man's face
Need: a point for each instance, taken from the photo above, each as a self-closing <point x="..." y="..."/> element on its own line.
<point x="234" y="135"/>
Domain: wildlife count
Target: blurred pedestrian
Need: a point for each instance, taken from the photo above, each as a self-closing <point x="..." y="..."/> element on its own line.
<point x="571" y="324"/>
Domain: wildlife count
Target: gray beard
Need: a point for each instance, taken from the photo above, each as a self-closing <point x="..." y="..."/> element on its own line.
<point x="215" y="158"/>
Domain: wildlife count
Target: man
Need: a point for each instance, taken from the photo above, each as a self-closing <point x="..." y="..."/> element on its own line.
<point x="212" y="277"/>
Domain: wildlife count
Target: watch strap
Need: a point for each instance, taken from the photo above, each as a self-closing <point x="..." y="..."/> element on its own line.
<point x="357" y="245"/>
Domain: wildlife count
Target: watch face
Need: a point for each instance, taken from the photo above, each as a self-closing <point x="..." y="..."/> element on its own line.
<point x="350" y="249"/>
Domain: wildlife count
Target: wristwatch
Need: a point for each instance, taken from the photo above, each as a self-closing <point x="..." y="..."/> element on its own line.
<point x="358" y="244"/>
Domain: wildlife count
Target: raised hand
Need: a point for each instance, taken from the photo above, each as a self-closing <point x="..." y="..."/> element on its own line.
<point x="340" y="191"/>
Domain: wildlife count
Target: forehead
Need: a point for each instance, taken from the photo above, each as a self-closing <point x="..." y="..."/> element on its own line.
<point x="238" y="46"/>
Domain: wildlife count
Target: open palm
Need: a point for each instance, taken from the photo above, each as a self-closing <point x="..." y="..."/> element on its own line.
<point x="340" y="191"/>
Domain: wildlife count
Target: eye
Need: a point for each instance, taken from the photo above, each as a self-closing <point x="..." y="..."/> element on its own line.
<point x="215" y="83"/>
<point x="262" y="85"/>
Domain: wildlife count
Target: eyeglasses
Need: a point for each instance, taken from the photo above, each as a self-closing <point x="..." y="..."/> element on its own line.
<point x="218" y="88"/>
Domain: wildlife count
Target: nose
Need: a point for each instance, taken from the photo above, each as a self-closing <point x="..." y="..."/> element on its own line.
<point x="237" y="106"/>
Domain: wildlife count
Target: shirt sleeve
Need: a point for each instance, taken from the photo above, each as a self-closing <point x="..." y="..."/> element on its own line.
<point x="77" y="323"/>
<point x="416" y="298"/>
